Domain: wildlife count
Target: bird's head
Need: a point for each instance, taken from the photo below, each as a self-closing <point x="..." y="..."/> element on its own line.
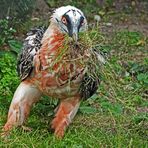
<point x="69" y="20"/>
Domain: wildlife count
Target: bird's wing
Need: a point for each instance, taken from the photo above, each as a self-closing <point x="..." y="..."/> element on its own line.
<point x="91" y="78"/>
<point x="89" y="85"/>
<point x="100" y="56"/>
<point x="31" y="45"/>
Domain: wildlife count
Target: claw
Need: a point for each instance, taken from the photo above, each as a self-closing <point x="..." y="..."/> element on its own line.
<point x="27" y="129"/>
<point x="59" y="133"/>
<point x="5" y="135"/>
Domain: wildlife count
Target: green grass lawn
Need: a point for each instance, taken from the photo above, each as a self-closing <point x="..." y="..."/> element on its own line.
<point x="97" y="130"/>
<point x="117" y="116"/>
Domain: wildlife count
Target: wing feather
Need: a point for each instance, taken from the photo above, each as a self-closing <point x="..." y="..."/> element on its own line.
<point x="31" y="45"/>
<point x="91" y="78"/>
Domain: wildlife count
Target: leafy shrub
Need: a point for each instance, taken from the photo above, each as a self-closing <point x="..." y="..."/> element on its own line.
<point x="143" y="78"/>
<point x="8" y="76"/>
<point x="16" y="9"/>
<point x="6" y="32"/>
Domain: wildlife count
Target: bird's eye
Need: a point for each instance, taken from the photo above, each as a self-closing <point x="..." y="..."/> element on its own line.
<point x="64" y="21"/>
<point x="82" y="21"/>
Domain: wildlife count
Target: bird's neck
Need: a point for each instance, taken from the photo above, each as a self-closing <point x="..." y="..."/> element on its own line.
<point x="51" y="33"/>
<point x="52" y="39"/>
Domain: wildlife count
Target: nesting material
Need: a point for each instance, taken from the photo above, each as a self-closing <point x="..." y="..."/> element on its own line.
<point x="83" y="51"/>
<point x="72" y="50"/>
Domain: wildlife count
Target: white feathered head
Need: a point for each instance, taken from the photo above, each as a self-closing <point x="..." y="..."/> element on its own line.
<point x="70" y="20"/>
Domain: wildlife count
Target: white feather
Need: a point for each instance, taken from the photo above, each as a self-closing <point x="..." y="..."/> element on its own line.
<point x="31" y="39"/>
<point x="58" y="13"/>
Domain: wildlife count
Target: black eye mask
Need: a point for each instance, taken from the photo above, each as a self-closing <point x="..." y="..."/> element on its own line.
<point x="80" y="22"/>
<point x="69" y="24"/>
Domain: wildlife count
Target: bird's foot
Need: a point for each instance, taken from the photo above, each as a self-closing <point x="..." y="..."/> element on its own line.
<point x="59" y="127"/>
<point x="26" y="129"/>
<point x="5" y="135"/>
<point x="5" y="131"/>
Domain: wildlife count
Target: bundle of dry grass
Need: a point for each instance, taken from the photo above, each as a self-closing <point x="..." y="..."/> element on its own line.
<point x="83" y="55"/>
<point x="83" y="50"/>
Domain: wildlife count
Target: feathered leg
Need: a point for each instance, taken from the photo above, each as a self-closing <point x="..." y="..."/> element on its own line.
<point x="24" y="97"/>
<point x="65" y="113"/>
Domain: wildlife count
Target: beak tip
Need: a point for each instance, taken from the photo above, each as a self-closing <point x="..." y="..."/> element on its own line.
<point x="75" y="37"/>
<point x="74" y="34"/>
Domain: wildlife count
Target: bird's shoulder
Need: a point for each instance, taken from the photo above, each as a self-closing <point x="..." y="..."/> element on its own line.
<point x="31" y="46"/>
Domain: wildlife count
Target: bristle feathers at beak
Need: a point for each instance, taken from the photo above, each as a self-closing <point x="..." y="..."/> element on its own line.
<point x="74" y="33"/>
<point x="75" y="37"/>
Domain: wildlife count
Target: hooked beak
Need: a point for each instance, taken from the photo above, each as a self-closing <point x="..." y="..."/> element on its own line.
<point x="74" y="34"/>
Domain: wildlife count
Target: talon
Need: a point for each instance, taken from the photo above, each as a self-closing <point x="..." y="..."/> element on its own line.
<point x="25" y="128"/>
<point x="59" y="133"/>
<point x="5" y="135"/>
<point x="59" y="127"/>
